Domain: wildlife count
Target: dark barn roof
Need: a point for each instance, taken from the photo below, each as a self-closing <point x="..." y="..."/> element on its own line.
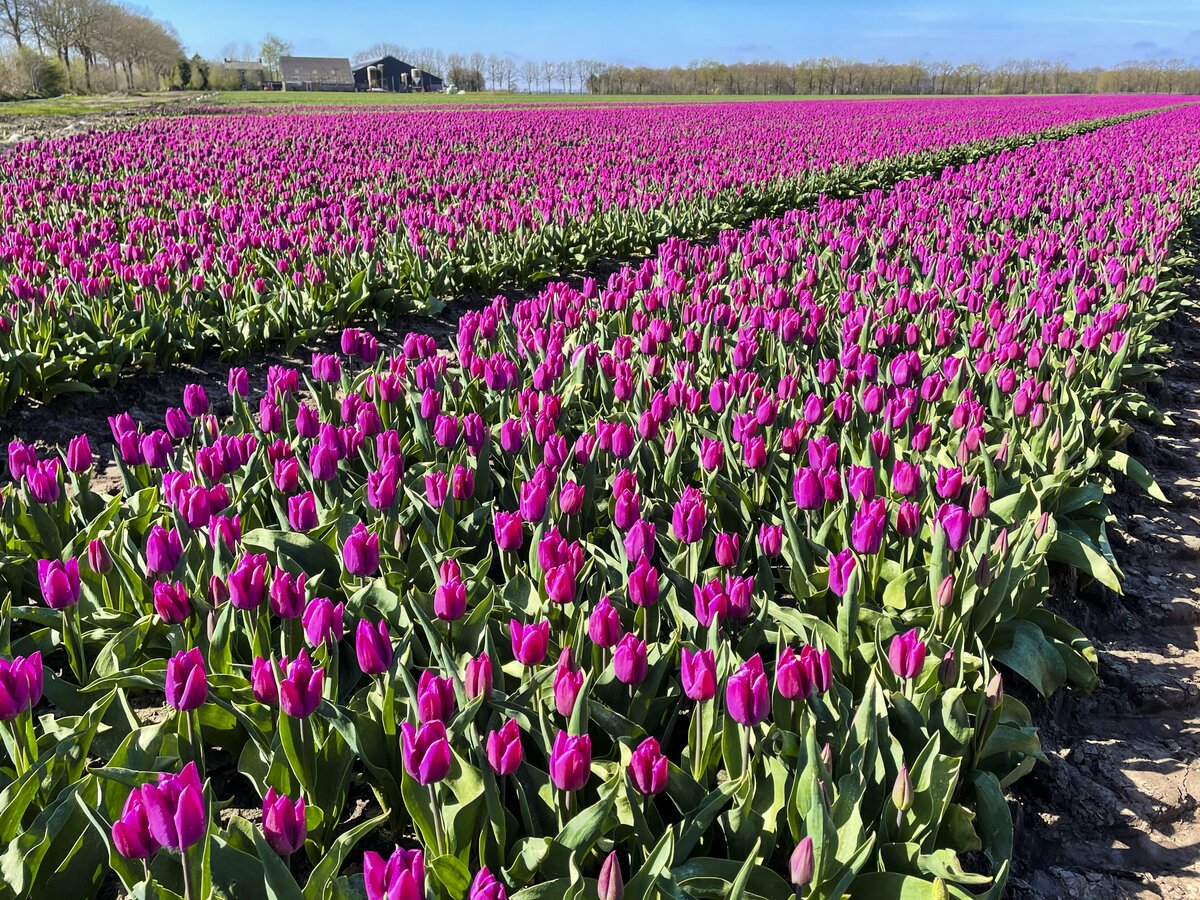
<point x="315" y="70"/>
<point x="392" y="64"/>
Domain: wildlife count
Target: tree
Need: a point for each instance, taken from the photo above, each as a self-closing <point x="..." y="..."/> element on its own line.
<point x="466" y="78"/>
<point x="15" y="20"/>
<point x="273" y="49"/>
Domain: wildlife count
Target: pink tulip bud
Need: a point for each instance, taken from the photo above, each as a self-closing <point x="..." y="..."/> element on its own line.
<point x="648" y="768"/>
<point x="478" y="679"/>
<point x="699" y="674"/>
<point x="570" y="761"/>
<point x="906" y="654"/>
<point x="629" y="660"/>
<point x="435" y="698"/>
<point x="504" y="752"/>
<point x="283" y="822"/>
<point x="530" y="642"/>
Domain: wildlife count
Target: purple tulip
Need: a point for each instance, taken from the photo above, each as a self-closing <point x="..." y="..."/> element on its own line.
<point x="698" y="671"/>
<point x="20" y="684"/>
<point x="770" y="540"/>
<point x="79" y="454"/>
<point x="401" y="877"/>
<point x="841" y="565"/>
<point x="426" y="751"/>
<point x="643" y="584"/>
<point x="530" y="642"/>
<point x="570" y="761"/>
<point x="629" y="660"/>
<point x="807" y="489"/>
<point x="800" y="866"/>
<point x="131" y="832"/>
<point x="568" y="680"/>
<point x="648" y="768"/>
<point x="195" y="401"/>
<point x="867" y="528"/>
<point x="187" y="681"/>
<point x="99" y="560"/>
<point x="688" y="517"/>
<point x="435" y="698"/>
<point x="486" y="887"/>
<point x="360" y="552"/>
<point x="288" y="594"/>
<point x="373" y="647"/>
<point x="323" y="621"/>
<point x="262" y="681"/>
<point x="478" y="677"/>
<point x="956" y="524"/>
<point x="747" y="693"/>
<point x="59" y="582"/>
<point x="509" y="531"/>
<point x="247" y="583"/>
<point x="163" y="550"/>
<point x="175" y="810"/>
<point x="300" y="687"/>
<point x="610" y="885"/>
<point x="302" y="511"/>
<point x="283" y="822"/>
<point x="604" y="624"/>
<point x="504" y="752"/>
<point x="906" y="654"/>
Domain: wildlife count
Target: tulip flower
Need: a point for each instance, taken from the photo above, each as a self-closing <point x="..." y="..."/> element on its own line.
<point x="568" y="680"/>
<point x="841" y="565"/>
<point x="604" y="624"/>
<point x="163" y="550"/>
<point x="175" y="810"/>
<point x="570" y="761"/>
<point x="323" y="621"/>
<point x="435" y="698"/>
<point x="300" y="687"/>
<point x="629" y="660"/>
<point x="360" y="552"/>
<point x="906" y="655"/>
<point x="801" y="865"/>
<point x="262" y="681"/>
<point x="288" y="594"/>
<point x="610" y="885"/>
<point x="283" y="822"/>
<point x="643" y="583"/>
<point x="648" y="768"/>
<point x="727" y="549"/>
<point x="131" y="832"/>
<point x="373" y="647"/>
<point x="530" y="642"/>
<point x="509" y="532"/>
<point x="59" y="582"/>
<point x="79" y="454"/>
<point x="699" y="674"/>
<point x="302" y="511"/>
<point x="248" y="582"/>
<point x="401" y="877"/>
<point x="187" y="681"/>
<point x="426" y="751"/>
<point x="868" y="526"/>
<point x="477" y="680"/>
<point x="99" y="560"/>
<point x="688" y="517"/>
<point x="747" y="693"/>
<point x="485" y="887"/>
<point x="503" y="748"/>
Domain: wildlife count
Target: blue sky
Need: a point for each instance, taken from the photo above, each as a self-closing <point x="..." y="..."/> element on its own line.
<point x="657" y="32"/>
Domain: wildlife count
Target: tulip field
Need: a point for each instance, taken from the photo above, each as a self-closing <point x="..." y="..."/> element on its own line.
<point x="721" y="576"/>
<point x="137" y="248"/>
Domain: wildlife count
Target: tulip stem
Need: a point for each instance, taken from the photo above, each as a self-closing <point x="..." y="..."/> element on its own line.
<point x="195" y="747"/>
<point x="188" y="894"/>
<point x="439" y="829"/>
<point x="746" y="749"/>
<point x="74" y="641"/>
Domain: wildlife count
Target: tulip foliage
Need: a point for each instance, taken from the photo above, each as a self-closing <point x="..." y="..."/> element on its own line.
<point x="703" y="582"/>
<point x="136" y="248"/>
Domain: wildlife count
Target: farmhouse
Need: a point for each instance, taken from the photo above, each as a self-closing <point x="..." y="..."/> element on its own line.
<point x="390" y="74"/>
<point x="244" y="73"/>
<point x="315" y="73"/>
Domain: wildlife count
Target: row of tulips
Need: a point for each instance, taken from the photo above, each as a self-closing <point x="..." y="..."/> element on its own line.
<point x="179" y="235"/>
<point x="704" y="582"/>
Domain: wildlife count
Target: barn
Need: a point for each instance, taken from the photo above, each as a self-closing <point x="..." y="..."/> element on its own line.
<point x="315" y="73"/>
<point x="390" y="74"/>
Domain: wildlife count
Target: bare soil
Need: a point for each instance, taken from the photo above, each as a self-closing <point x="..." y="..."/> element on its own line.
<point x="1115" y="815"/>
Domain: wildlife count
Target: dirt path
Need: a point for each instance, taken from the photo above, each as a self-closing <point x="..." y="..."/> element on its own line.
<point x="1115" y="815"/>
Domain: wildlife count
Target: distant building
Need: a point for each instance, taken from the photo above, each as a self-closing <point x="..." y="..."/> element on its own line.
<point x="315" y="73"/>
<point x="390" y="74"/>
<point x="245" y="73"/>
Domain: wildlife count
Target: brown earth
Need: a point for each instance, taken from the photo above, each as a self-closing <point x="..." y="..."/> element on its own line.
<point x="1115" y="814"/>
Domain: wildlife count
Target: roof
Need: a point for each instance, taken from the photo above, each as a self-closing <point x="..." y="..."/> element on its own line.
<point x="360" y="66"/>
<point x="320" y="69"/>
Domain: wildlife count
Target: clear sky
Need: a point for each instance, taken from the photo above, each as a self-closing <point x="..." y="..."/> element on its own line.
<point x="664" y="32"/>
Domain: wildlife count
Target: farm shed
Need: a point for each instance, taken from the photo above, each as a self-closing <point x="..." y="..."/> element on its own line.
<point x="315" y="73"/>
<point x="390" y="74"/>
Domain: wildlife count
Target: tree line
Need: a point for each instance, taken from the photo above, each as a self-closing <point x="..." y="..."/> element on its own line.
<point x="823" y="76"/>
<point x="84" y="45"/>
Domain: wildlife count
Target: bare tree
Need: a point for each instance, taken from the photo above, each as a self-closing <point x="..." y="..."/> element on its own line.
<point x="15" y="20"/>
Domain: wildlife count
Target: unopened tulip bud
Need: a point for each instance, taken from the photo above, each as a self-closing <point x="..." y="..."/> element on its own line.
<point x="994" y="695"/>
<point x="948" y="669"/>
<point x="1043" y="524"/>
<point x="611" y="886"/>
<point x="800" y="866"/>
<point x="945" y="592"/>
<point x="827" y="756"/>
<point x="983" y="572"/>
<point x="902" y="791"/>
